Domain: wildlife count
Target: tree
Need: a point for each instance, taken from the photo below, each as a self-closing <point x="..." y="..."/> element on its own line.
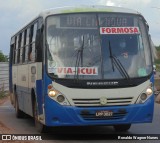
<point x="157" y="61"/>
<point x="3" y="58"/>
<point x="157" y="47"/>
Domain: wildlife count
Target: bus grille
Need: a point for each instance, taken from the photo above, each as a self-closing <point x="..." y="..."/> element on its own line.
<point x="115" y="116"/>
<point x="96" y="102"/>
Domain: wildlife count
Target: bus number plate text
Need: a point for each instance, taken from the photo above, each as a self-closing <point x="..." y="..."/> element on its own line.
<point x="104" y="113"/>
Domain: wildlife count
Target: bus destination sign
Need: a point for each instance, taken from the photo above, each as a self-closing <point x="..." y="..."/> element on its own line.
<point x="91" y="21"/>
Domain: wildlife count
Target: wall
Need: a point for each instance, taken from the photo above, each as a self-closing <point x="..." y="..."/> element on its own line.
<point x="4" y="76"/>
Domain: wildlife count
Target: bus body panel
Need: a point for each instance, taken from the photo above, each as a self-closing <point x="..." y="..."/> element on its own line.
<point x="25" y="82"/>
<point x="72" y="116"/>
<point x="85" y="115"/>
<point x="116" y="94"/>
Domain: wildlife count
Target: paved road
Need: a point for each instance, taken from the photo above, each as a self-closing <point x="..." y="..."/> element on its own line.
<point x="10" y="124"/>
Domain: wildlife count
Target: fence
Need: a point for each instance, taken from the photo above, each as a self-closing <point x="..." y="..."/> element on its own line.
<point x="4" y="76"/>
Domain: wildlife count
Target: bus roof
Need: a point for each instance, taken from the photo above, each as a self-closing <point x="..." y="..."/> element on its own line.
<point x="84" y="8"/>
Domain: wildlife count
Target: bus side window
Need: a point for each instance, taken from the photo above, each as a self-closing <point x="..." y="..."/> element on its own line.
<point x="26" y="44"/>
<point x="16" y="50"/>
<point x="13" y="51"/>
<point x="21" y="48"/>
<point x="39" y="41"/>
<point x="11" y="54"/>
<point x="32" y="38"/>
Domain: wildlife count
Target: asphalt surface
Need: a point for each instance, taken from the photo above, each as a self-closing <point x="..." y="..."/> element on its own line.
<point x="9" y="124"/>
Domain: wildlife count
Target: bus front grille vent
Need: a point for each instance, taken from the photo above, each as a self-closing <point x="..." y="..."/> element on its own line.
<point x="96" y="102"/>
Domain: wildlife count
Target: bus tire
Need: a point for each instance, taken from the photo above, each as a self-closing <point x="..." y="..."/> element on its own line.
<point x="19" y="113"/>
<point x="122" y="127"/>
<point x="39" y="126"/>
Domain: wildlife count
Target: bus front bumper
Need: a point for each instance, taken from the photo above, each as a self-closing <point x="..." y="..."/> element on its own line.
<point x="57" y="115"/>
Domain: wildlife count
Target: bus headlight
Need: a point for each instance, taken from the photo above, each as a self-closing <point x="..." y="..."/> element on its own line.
<point x="57" y="96"/>
<point x="149" y="91"/>
<point x="52" y="93"/>
<point x="145" y="95"/>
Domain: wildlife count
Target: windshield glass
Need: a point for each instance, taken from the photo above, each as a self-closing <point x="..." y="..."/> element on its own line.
<point x="97" y="46"/>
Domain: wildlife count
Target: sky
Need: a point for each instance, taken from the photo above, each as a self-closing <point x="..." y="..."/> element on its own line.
<point x="14" y="14"/>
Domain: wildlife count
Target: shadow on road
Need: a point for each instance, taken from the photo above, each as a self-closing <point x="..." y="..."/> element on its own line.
<point x="82" y="133"/>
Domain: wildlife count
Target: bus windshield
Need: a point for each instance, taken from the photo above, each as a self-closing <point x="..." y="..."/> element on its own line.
<point x="97" y="46"/>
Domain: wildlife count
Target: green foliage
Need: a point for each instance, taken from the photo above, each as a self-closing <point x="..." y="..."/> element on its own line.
<point x="158" y="48"/>
<point x="3" y="58"/>
<point x="2" y="92"/>
<point x="157" y="61"/>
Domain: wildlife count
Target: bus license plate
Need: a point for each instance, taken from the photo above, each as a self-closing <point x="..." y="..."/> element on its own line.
<point x="104" y="113"/>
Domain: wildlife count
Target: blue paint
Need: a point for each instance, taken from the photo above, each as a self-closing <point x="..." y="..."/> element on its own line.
<point x="57" y="115"/>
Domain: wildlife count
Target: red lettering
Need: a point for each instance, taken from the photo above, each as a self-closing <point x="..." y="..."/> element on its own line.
<point x="82" y="71"/>
<point x="136" y="30"/>
<point x="120" y="30"/>
<point x="79" y="70"/>
<point x="114" y="30"/>
<point x="131" y="30"/>
<point x="94" y="71"/>
<point x="89" y="71"/>
<point x="108" y="30"/>
<point x="65" y="70"/>
<point x="126" y="30"/>
<point x="69" y="71"/>
<point x="60" y="70"/>
<point x="103" y="30"/>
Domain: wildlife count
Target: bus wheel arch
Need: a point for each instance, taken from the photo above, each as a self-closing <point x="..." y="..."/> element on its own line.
<point x="39" y="126"/>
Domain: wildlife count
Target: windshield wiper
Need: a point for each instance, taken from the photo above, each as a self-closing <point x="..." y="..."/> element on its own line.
<point x="111" y="56"/>
<point x="79" y="58"/>
<point x="115" y="61"/>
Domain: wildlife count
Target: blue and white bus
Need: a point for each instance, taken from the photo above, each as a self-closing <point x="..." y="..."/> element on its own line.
<point x="83" y="66"/>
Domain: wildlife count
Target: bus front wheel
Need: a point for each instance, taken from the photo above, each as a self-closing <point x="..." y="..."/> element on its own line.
<point x="122" y="127"/>
<point x="39" y="126"/>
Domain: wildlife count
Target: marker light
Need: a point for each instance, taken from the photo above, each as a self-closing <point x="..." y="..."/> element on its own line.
<point x="50" y="87"/>
<point x="52" y="93"/>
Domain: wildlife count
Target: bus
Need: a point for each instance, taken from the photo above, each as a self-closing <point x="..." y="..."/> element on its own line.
<point x="83" y="66"/>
